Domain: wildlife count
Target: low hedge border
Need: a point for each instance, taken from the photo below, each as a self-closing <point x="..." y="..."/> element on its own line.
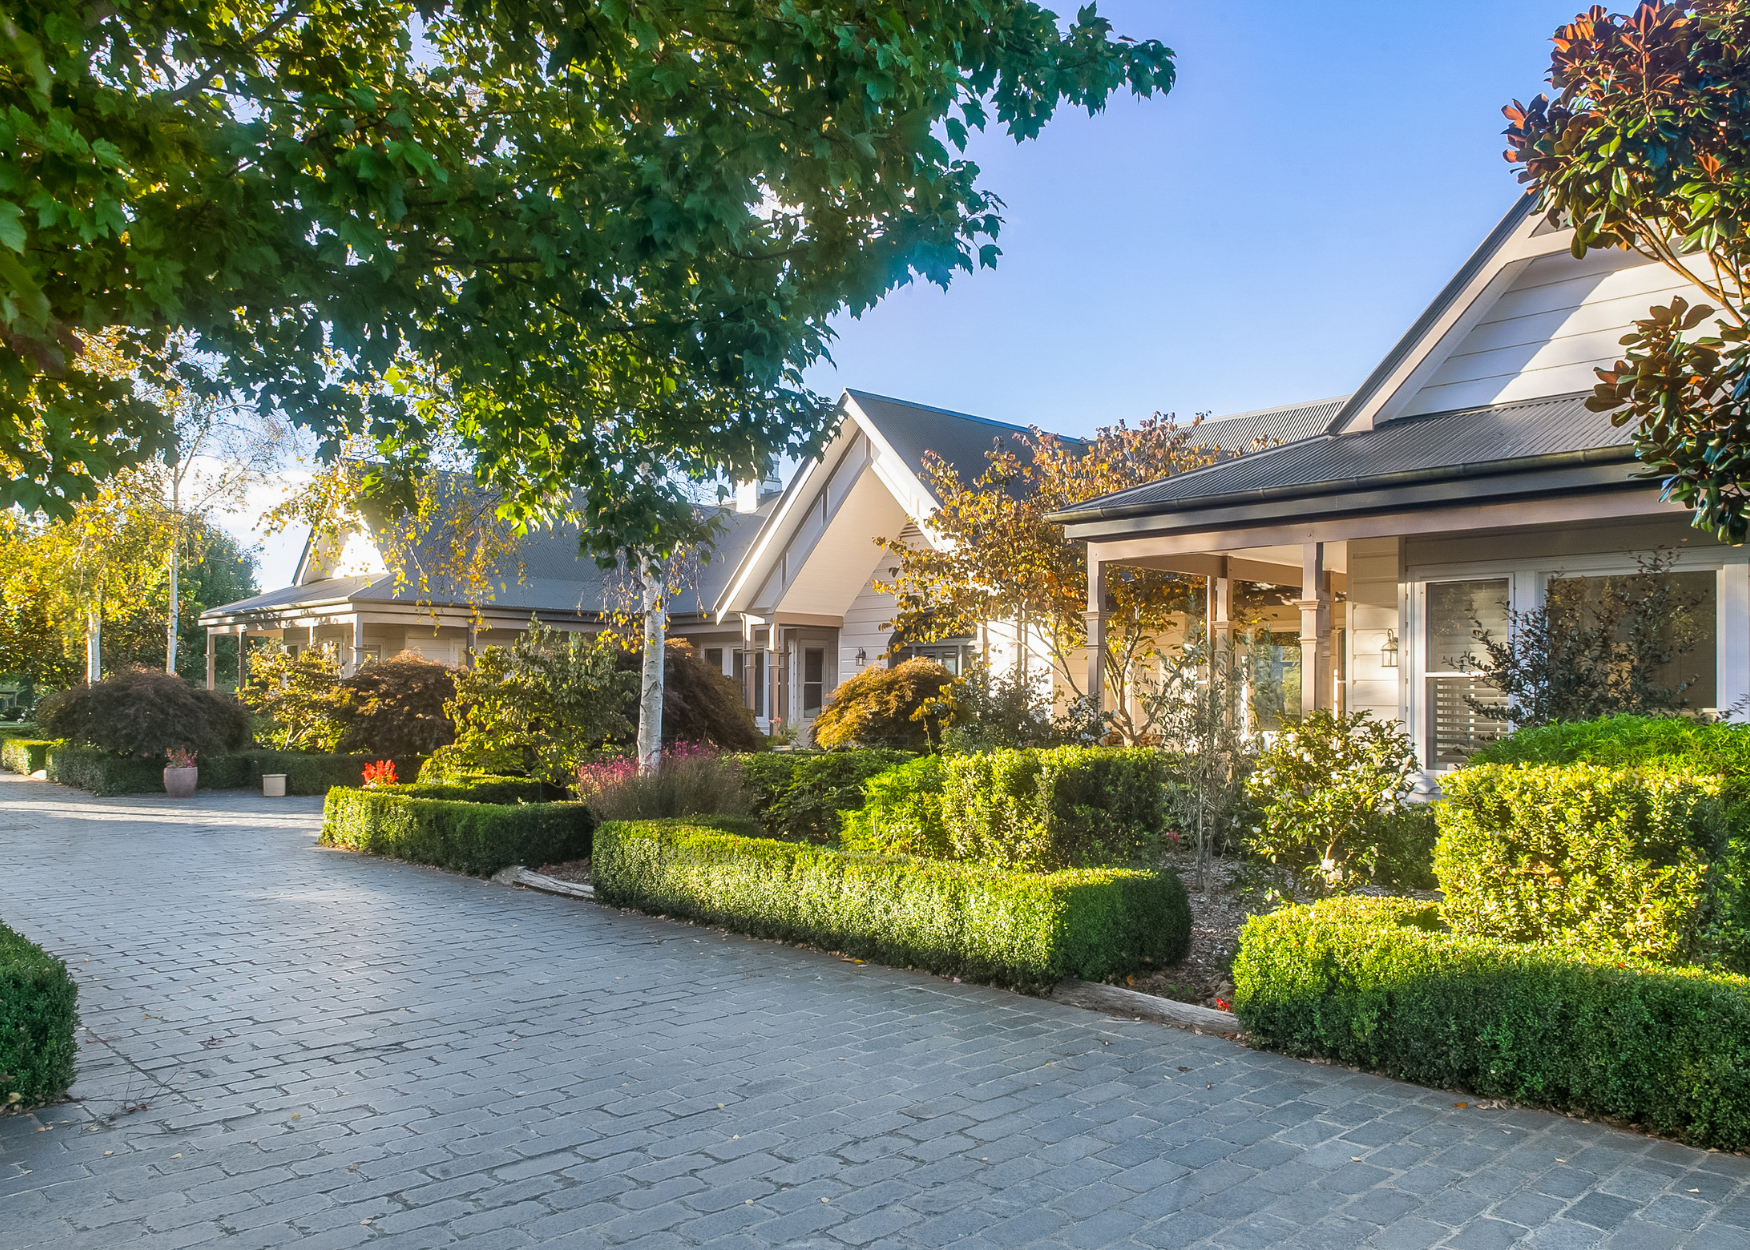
<point x="476" y="838"/>
<point x="38" y="1019"/>
<point x="476" y="789"/>
<point x="1376" y="983"/>
<point x="24" y="755"/>
<point x="85" y="768"/>
<point x="1026" y="930"/>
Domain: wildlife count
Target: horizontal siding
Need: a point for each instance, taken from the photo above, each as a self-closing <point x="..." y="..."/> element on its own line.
<point x="1560" y="321"/>
<point x="865" y="626"/>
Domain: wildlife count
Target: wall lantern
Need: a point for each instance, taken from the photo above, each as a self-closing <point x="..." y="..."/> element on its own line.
<point x="1388" y="654"/>
<point x="862" y="657"/>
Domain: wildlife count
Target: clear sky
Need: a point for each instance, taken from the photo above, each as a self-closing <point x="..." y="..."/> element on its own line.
<point x="1261" y="235"/>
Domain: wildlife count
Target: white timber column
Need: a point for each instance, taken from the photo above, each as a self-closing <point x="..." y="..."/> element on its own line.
<point x="774" y="640"/>
<point x="1096" y="618"/>
<point x="242" y="655"/>
<point x="473" y="642"/>
<point x="358" y="644"/>
<point x="1220" y="608"/>
<point x="747" y="648"/>
<point x="1732" y="628"/>
<point x="212" y="661"/>
<point x="1315" y="630"/>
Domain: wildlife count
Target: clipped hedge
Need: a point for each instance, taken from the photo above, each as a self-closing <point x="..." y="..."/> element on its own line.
<point x="1606" y="859"/>
<point x="25" y="755"/>
<point x="38" y="1018"/>
<point x="801" y="795"/>
<point x="476" y="789"/>
<point x="1664" y="742"/>
<point x="86" y="768"/>
<point x="1020" y="929"/>
<point x="1373" y="983"/>
<point x="901" y="813"/>
<point x="477" y="838"/>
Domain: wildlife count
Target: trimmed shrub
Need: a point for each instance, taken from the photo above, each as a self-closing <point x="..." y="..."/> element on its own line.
<point x="699" y="704"/>
<point x="801" y="796"/>
<point x="1374" y="984"/>
<point x="1645" y="742"/>
<point x="901" y="813"/>
<point x="477" y="838"/>
<point x="144" y="713"/>
<point x="1067" y="807"/>
<point x="25" y="755"/>
<point x="479" y="789"/>
<point x="85" y="768"/>
<point x="1600" y="858"/>
<point x="38" y="1018"/>
<point x="395" y="707"/>
<point x="901" y="707"/>
<point x="1019" y="929"/>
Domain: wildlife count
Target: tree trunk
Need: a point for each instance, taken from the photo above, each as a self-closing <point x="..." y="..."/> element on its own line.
<point x="175" y="611"/>
<point x="655" y="650"/>
<point x="94" y="645"/>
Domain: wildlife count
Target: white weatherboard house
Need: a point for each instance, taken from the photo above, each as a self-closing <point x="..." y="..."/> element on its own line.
<point x="1461" y="477"/>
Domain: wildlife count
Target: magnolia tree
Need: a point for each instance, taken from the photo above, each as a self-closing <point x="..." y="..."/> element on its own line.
<point x="1642" y="147"/>
<point x="997" y="558"/>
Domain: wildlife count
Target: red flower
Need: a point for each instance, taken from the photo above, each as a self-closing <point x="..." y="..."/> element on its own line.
<point x="1222" y="1003"/>
<point x="381" y="773"/>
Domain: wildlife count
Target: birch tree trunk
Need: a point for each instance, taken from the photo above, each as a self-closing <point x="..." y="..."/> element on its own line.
<point x="175" y="606"/>
<point x="655" y="650"/>
<point x="94" y="645"/>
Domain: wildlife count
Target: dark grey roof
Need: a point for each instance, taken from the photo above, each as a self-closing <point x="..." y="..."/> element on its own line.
<point x="961" y="440"/>
<point x="547" y="575"/>
<point x="1266" y="427"/>
<point x="1453" y="443"/>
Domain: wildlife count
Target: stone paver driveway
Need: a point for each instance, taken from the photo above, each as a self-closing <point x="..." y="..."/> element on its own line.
<point x="285" y="1044"/>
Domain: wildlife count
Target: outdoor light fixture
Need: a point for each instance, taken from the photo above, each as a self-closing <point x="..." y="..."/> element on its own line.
<point x="862" y="657"/>
<point x="1388" y="654"/>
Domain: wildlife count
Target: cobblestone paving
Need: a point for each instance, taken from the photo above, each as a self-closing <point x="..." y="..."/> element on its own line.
<point x="286" y="1044"/>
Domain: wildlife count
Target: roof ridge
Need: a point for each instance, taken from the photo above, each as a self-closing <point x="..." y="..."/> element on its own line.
<point x="964" y="416"/>
<point x="1260" y="412"/>
<point x="1251" y="457"/>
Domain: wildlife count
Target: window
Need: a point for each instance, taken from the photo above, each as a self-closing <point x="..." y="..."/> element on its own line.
<point x="1460" y="616"/>
<point x="1690" y="632"/>
<point x="714" y="657"/>
<point x="813" y="679"/>
<point x="759" y="683"/>
<point x="738" y="669"/>
<point x="1274" y="682"/>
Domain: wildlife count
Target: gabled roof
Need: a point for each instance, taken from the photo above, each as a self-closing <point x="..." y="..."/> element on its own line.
<point x="1266" y="427"/>
<point x="1472" y="442"/>
<point x="962" y="440"/>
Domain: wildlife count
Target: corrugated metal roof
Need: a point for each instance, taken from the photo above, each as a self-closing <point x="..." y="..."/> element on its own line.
<point x="1266" y="427"/>
<point x="1499" y="433"/>
<point x="956" y="437"/>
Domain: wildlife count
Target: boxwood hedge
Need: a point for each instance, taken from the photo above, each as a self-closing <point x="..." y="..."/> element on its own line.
<point x="24" y="755"/>
<point x="478" y="838"/>
<point x="1378" y="984"/>
<point x="477" y="788"/>
<point x="38" y="1018"/>
<point x="1027" y="930"/>
<point x="86" y="768"/>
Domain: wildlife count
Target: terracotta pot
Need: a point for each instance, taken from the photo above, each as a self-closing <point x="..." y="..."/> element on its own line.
<point x="179" y="783"/>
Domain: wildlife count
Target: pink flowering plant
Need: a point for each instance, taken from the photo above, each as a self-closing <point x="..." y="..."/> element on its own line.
<point x="693" y="779"/>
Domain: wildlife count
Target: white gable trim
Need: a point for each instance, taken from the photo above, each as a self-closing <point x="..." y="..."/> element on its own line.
<point x="1522" y="237"/>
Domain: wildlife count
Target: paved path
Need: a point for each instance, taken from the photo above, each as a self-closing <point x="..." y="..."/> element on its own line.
<point x="286" y="1044"/>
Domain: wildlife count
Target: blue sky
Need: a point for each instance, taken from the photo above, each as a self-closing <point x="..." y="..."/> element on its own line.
<point x="1261" y="235"/>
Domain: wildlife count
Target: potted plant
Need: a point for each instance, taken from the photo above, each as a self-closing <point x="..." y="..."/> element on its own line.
<point x="148" y="714"/>
<point x="181" y="776"/>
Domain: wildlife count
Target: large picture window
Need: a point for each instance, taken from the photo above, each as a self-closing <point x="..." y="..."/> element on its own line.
<point x="1458" y="612"/>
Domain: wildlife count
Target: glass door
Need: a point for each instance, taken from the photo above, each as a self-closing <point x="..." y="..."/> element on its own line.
<point x="1461" y="617"/>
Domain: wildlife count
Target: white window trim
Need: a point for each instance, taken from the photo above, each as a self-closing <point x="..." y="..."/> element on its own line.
<point x="1527" y="581"/>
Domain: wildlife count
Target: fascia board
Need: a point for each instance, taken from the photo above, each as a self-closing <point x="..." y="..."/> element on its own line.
<point x="1437" y="333"/>
<point x="895" y="474"/>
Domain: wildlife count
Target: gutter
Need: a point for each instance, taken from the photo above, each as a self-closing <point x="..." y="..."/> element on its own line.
<point x="1335" y="486"/>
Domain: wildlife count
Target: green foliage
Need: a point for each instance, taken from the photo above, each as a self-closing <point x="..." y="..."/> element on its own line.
<point x="689" y="780"/>
<point x="38" y="1019"/>
<point x="990" y="711"/>
<point x="396" y="706"/>
<point x="799" y="796"/>
<point x="1333" y="791"/>
<point x="1374" y="984"/>
<point x="25" y="755"/>
<point x="1602" y="859"/>
<point x="298" y="695"/>
<point x="1020" y="929"/>
<point x="145" y="713"/>
<point x="899" y="707"/>
<point x="476" y="789"/>
<point x="568" y="213"/>
<point x="699" y="704"/>
<point x="477" y="838"/>
<point x="1642" y="149"/>
<point x="101" y="773"/>
<point x="1666" y="742"/>
<point x="542" y="707"/>
<point x="901" y="813"/>
<point x="1066" y="807"/>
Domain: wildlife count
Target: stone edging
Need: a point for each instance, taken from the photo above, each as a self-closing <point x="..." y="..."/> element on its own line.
<point x="1118" y="1001"/>
<point x="516" y="874"/>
